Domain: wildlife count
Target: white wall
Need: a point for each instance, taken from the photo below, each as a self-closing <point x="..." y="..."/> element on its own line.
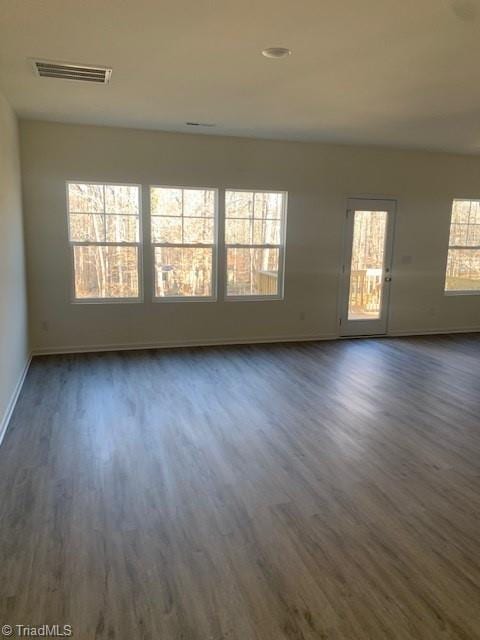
<point x="319" y="178"/>
<point x="13" y="299"/>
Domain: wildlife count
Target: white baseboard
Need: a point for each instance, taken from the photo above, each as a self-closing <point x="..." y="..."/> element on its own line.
<point x="48" y="351"/>
<point x="177" y="344"/>
<point x="13" y="399"/>
<point x="426" y="332"/>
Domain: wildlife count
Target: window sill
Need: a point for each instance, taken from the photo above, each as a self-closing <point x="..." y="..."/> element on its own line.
<point x="182" y="299"/>
<point x="253" y="298"/>
<point x="107" y="301"/>
<point x="473" y="292"/>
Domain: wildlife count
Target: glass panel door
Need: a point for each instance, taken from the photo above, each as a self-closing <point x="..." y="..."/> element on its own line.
<point x="367" y="268"/>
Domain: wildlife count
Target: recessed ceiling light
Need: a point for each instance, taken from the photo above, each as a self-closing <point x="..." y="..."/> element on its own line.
<point x="276" y="52"/>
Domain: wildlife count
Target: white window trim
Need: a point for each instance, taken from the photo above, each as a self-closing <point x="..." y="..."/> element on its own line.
<point x="139" y="245"/>
<point x="281" y="256"/>
<point x="172" y="245"/>
<point x="459" y="292"/>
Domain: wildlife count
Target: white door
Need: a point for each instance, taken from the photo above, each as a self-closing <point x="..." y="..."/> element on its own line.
<point x="367" y="267"/>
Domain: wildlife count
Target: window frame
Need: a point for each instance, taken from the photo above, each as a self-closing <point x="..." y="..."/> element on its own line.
<point x="178" y="245"/>
<point x="281" y="247"/>
<point x="459" y="292"/>
<point x="139" y="245"/>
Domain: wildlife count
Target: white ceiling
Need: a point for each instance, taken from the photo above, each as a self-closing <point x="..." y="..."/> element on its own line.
<point x="391" y="72"/>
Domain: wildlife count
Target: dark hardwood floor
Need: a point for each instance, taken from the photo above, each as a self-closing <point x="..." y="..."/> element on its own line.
<point x="325" y="491"/>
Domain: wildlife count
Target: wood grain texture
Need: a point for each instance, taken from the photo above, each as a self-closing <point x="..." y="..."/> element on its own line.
<point x="289" y="492"/>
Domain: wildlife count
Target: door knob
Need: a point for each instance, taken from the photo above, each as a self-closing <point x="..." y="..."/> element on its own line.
<point x="388" y="279"/>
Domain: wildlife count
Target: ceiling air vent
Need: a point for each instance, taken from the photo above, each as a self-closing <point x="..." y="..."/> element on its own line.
<point x="67" y="71"/>
<point x="200" y="124"/>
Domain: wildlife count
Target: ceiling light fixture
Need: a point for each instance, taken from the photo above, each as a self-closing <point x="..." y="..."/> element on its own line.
<point x="276" y="53"/>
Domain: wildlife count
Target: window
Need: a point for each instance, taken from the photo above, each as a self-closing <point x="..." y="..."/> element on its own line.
<point x="254" y="239"/>
<point x="463" y="264"/>
<point x="183" y="226"/>
<point x="104" y="234"/>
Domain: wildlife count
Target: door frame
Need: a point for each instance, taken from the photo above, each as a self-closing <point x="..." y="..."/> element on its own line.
<point x="360" y="328"/>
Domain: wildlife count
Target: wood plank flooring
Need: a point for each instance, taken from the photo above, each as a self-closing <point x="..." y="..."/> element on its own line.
<point x="317" y="491"/>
